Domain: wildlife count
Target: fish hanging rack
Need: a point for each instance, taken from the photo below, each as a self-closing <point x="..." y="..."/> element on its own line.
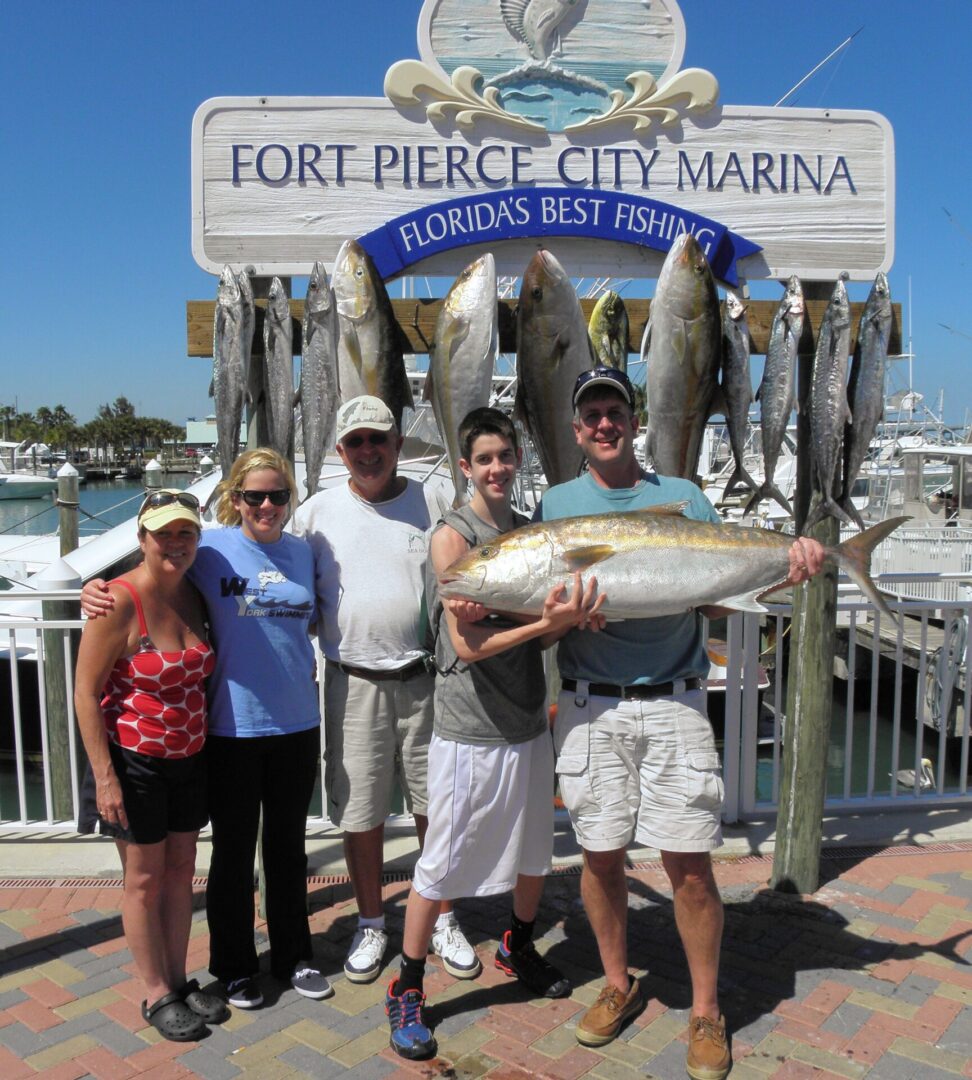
<point x="417" y="318"/>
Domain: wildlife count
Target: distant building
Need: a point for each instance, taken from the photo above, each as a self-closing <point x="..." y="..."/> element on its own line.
<point x="201" y="434"/>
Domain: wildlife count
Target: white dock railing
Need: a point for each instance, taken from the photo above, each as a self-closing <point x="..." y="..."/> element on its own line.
<point x="898" y="704"/>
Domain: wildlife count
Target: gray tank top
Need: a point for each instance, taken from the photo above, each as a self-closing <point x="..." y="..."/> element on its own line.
<point x="497" y="700"/>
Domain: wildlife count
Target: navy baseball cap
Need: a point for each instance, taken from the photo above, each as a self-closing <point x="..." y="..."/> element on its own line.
<point x="604" y="376"/>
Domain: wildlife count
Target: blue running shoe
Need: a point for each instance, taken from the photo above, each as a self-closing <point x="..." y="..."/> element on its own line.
<point x="410" y="1037"/>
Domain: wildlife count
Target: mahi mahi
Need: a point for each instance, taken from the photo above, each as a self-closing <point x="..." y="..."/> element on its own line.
<point x="370" y="359"/>
<point x="647" y="563"/>
<point x="609" y="331"/>
<point x="865" y="391"/>
<point x="229" y="378"/>
<point x="552" y="349"/>
<point x="319" y="394"/>
<point x="829" y="411"/>
<point x="682" y="343"/>
<point x="776" y="390"/>
<point x="278" y="353"/>
<point x="462" y="358"/>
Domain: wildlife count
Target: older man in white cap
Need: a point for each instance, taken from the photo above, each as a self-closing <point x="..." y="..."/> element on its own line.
<point x="370" y="545"/>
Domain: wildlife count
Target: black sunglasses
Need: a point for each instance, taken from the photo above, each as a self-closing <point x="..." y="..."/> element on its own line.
<point x="279" y="497"/>
<point x="376" y="438"/>
<point x="167" y="498"/>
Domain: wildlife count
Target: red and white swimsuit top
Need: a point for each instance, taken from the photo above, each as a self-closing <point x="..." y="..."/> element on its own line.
<point x="155" y="702"/>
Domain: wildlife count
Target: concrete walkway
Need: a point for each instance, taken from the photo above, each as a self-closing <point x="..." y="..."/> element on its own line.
<point x="871" y="976"/>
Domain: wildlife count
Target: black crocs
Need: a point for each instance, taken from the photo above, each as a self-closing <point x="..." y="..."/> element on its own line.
<point x="173" y="1019"/>
<point x="209" y="1007"/>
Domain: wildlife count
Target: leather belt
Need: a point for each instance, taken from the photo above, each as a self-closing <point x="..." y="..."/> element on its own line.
<point x="409" y="671"/>
<point x="637" y="691"/>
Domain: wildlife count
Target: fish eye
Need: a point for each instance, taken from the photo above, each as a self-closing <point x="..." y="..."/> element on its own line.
<point x="536" y="292"/>
<point x="485" y="553"/>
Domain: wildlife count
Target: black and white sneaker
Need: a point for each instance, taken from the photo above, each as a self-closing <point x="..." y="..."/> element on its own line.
<point x="309" y="982"/>
<point x="536" y="973"/>
<point x="244" y="993"/>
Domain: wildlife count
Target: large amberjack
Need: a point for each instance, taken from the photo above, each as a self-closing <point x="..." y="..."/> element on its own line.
<point x="683" y="347"/>
<point x="647" y="562"/>
<point x="370" y="359"/>
<point x="463" y="355"/>
<point x="552" y="349"/>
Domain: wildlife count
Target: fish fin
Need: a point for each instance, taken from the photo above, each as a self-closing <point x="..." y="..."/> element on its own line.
<point x="854" y="557"/>
<point x="674" y="509"/>
<point x="514" y="15"/>
<point x="744" y="602"/>
<point x="519" y="406"/>
<point x="646" y="341"/>
<point x="459" y="332"/>
<point x="756" y="396"/>
<point x="212" y="387"/>
<point x="580" y="558"/>
<point x="352" y="345"/>
<point x="718" y="403"/>
<point x="427" y="390"/>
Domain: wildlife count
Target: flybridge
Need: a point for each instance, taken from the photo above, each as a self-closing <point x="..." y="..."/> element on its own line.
<point x="450" y="164"/>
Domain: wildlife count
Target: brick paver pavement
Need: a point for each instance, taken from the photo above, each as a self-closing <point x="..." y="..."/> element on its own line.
<point x="871" y="976"/>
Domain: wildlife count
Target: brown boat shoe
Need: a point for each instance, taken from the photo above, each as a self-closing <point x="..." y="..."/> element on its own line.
<point x="709" y="1057"/>
<point x="604" y="1019"/>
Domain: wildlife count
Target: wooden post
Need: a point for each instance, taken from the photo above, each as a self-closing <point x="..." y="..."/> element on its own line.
<point x="67" y="507"/>
<point x="59" y="575"/>
<point x="810" y="684"/>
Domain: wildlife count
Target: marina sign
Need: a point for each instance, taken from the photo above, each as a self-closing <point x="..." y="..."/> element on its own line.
<point x="580" y="127"/>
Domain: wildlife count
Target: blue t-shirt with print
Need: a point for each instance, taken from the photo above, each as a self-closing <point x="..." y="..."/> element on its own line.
<point x="261" y="603"/>
<point x="631" y="650"/>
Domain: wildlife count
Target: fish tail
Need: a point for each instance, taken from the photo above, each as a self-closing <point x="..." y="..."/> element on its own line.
<point x="741" y="478"/>
<point x="854" y="557"/>
<point x="758" y="495"/>
<point x="851" y="509"/>
<point x="773" y="492"/>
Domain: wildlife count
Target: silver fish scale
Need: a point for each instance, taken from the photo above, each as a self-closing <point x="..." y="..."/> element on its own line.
<point x="828" y="389"/>
<point x="319" y="391"/>
<point x="228" y="374"/>
<point x="278" y="350"/>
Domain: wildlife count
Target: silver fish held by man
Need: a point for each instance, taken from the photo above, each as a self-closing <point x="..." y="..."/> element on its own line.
<point x="829" y="411"/>
<point x="776" y="389"/>
<point x="736" y="387"/>
<point x="552" y="349"/>
<point x="865" y="390"/>
<point x="683" y="346"/>
<point x="278" y="353"/>
<point x="647" y="563"/>
<point x="370" y="359"/>
<point x="229" y="378"/>
<point x="608" y="328"/>
<point x="462" y="357"/>
<point x="319" y="393"/>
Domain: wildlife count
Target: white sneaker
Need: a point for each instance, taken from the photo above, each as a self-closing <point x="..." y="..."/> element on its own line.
<point x="364" y="959"/>
<point x="458" y="956"/>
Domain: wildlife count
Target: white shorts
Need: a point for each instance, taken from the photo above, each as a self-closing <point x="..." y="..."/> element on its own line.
<point x="642" y="769"/>
<point x="375" y="730"/>
<point x="490" y="818"/>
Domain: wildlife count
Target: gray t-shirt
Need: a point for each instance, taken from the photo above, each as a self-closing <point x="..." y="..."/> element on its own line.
<point x="493" y="701"/>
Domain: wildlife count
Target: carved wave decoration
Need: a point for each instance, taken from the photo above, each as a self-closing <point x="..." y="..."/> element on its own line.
<point x="410" y="82"/>
<point x="652" y="104"/>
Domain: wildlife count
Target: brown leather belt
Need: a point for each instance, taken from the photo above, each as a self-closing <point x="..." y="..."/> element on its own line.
<point x="637" y="691"/>
<point x="409" y="671"/>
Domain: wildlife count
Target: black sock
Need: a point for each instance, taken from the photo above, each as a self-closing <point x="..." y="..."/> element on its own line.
<point x="412" y="975"/>
<point x="520" y="932"/>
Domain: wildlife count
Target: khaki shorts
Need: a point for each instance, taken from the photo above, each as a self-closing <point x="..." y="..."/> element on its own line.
<point x="375" y="730"/>
<point x="490" y="818"/>
<point x="646" y="770"/>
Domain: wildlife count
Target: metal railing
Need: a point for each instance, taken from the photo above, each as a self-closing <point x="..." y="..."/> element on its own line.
<point x="904" y="699"/>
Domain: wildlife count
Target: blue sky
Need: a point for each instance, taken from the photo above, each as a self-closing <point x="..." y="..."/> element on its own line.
<point x="99" y="98"/>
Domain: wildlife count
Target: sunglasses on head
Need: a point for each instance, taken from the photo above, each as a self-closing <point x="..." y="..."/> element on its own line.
<point x="376" y="438"/>
<point x="167" y="498"/>
<point x="279" y="497"/>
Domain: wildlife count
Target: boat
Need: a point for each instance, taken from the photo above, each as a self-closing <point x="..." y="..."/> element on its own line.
<point x="24" y="486"/>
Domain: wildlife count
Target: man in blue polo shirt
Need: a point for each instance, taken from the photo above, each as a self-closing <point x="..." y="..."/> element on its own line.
<point x="636" y="758"/>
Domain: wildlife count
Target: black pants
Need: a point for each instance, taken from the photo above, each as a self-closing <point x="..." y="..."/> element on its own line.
<point x="276" y="772"/>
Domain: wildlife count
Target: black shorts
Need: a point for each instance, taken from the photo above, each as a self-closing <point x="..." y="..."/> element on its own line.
<point x="161" y="795"/>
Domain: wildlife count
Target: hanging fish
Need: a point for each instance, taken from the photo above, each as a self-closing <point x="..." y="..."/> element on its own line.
<point x="609" y="331"/>
<point x="776" y="389"/>
<point x="229" y="378"/>
<point x="319" y="392"/>
<point x="370" y="359"/>
<point x="736" y="386"/>
<point x="829" y="411"/>
<point x="865" y="391"/>
<point x="683" y="346"/>
<point x="278" y="352"/>
<point x="463" y="356"/>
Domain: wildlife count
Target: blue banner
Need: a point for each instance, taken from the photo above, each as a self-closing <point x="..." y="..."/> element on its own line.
<point x="525" y="213"/>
